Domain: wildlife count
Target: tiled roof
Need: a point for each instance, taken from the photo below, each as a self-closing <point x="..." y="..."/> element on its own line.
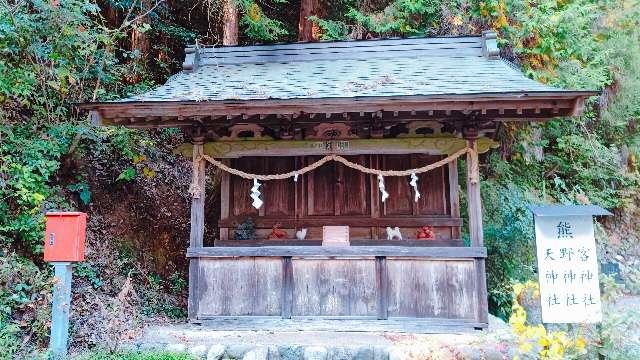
<point x="385" y="68"/>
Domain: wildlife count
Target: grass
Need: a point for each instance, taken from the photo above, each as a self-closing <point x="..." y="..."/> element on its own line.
<point x="136" y="355"/>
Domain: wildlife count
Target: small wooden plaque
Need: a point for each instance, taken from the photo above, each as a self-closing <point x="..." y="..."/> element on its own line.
<point x="335" y="236"/>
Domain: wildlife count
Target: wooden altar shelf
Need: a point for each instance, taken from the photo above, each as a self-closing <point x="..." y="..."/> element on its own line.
<point x="320" y="251"/>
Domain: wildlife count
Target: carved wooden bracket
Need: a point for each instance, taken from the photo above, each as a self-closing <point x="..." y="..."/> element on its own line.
<point x="332" y="131"/>
<point x="246" y="131"/>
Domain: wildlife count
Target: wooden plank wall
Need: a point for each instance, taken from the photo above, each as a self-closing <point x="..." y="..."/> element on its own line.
<point x="324" y="287"/>
<point x="342" y="196"/>
<point x="433" y="289"/>
<point x="363" y="287"/>
<point x="241" y="286"/>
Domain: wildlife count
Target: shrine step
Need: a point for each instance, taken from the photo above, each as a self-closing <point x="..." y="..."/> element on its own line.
<point x="216" y="340"/>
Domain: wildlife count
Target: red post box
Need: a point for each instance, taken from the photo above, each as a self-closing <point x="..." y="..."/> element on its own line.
<point x="64" y="236"/>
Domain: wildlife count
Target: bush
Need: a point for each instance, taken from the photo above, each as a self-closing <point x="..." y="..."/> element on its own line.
<point x="25" y="295"/>
<point x="508" y="236"/>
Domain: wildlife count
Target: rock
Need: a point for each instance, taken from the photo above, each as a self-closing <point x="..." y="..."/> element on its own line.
<point x="237" y="351"/>
<point x="396" y="353"/>
<point x="290" y="352"/>
<point x="340" y="353"/>
<point x="364" y="353"/>
<point x="259" y="353"/>
<point x="143" y="346"/>
<point x="495" y="323"/>
<point x="274" y="354"/>
<point x="177" y="347"/>
<point x="215" y="352"/>
<point x="315" y="353"/>
<point x="380" y="353"/>
<point x="198" y="351"/>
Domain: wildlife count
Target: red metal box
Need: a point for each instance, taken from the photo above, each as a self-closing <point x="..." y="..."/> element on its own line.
<point x="64" y="236"/>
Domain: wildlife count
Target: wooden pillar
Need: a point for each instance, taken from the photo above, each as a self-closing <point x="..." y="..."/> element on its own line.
<point x="225" y="193"/>
<point x="454" y="198"/>
<point x="474" y="204"/>
<point x="473" y="195"/>
<point x="196" y="239"/>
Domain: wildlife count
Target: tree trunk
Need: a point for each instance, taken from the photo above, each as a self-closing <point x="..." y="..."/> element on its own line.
<point x="139" y="40"/>
<point x="307" y="30"/>
<point x="230" y="23"/>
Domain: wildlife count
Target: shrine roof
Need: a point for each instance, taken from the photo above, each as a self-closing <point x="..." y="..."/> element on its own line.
<point x="568" y="210"/>
<point x="421" y="70"/>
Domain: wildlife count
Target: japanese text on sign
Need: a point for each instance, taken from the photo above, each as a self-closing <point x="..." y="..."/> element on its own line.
<point x="568" y="269"/>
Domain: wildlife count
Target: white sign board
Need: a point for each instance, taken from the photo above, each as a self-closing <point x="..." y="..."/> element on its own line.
<point x="568" y="269"/>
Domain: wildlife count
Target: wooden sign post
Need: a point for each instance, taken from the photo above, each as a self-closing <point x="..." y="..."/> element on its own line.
<point x="568" y="263"/>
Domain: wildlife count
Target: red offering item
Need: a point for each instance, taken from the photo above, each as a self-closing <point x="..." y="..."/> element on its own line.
<point x="276" y="232"/>
<point x="64" y="236"/>
<point x="426" y="233"/>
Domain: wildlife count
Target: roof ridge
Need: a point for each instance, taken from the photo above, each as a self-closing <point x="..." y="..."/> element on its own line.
<point x="477" y="46"/>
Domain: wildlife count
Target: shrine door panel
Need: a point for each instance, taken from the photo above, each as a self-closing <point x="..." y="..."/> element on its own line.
<point x="353" y="190"/>
<point x="321" y="188"/>
<point x="239" y="199"/>
<point x="400" y="193"/>
<point x="279" y="195"/>
<point x="432" y="186"/>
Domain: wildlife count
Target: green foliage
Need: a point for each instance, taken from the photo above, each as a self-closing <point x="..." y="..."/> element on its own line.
<point x="156" y="302"/>
<point x="9" y="340"/>
<point x="608" y="339"/>
<point x="508" y="236"/>
<point x="128" y="174"/>
<point x="331" y="29"/>
<point x="82" y="188"/>
<point x="138" y="355"/>
<point x="177" y="283"/>
<point x="258" y="26"/>
<point x="27" y="163"/>
<point x="613" y="337"/>
<point x="24" y="301"/>
<point x="411" y="17"/>
<point x="90" y="273"/>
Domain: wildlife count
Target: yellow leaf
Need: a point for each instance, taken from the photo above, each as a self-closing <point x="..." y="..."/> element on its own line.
<point x="138" y="159"/>
<point x="148" y="172"/>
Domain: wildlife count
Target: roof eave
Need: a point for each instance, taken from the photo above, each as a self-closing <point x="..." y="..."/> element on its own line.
<point x="501" y="106"/>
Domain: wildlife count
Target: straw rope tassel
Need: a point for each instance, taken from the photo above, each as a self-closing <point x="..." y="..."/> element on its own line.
<point x="383" y="192"/>
<point x="414" y="184"/>
<point x="255" y="194"/>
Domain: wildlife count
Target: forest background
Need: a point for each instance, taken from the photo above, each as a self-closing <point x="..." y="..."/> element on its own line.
<point x="59" y="52"/>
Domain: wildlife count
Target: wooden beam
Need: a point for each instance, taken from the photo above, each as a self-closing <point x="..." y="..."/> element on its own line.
<point x="196" y="238"/>
<point x="382" y="283"/>
<point x="341" y="251"/>
<point x="287" y="288"/>
<point x="435" y="145"/>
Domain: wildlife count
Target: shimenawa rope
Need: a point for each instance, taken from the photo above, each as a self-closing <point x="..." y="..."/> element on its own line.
<point x="317" y="164"/>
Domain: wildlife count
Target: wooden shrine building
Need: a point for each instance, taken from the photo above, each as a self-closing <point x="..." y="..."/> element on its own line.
<point x="267" y="115"/>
